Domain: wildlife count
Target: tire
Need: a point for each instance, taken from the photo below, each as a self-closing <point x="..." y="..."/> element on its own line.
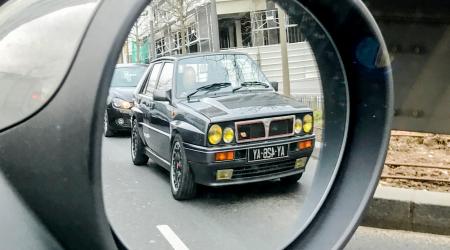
<point x="290" y="180"/>
<point x="137" y="146"/>
<point x="108" y="132"/>
<point x="182" y="181"/>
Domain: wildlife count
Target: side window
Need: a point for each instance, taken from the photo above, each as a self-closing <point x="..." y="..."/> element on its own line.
<point x="152" y="79"/>
<point x="144" y="80"/>
<point x="165" y="80"/>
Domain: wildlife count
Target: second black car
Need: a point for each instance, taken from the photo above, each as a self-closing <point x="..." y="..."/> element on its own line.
<point x="120" y="99"/>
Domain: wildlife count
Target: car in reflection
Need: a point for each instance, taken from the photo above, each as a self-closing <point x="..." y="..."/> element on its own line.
<point x="120" y="99"/>
<point x="214" y="119"/>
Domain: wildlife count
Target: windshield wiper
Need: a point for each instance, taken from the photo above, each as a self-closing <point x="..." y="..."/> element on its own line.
<point x="251" y="83"/>
<point x="210" y="87"/>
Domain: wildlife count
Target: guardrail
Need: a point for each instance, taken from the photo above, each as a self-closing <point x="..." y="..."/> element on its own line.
<point x="315" y="102"/>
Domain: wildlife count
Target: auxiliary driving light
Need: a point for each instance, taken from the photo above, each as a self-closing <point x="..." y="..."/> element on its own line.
<point x="300" y="162"/>
<point x="228" y="135"/>
<point x="304" y="144"/>
<point x="224" y="174"/>
<point x="307" y="123"/>
<point x="225" y="156"/>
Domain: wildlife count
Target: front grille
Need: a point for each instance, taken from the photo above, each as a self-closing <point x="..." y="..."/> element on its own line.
<point x="265" y="128"/>
<point x="255" y="169"/>
<point x="251" y="131"/>
<point x="126" y="122"/>
<point x="281" y="127"/>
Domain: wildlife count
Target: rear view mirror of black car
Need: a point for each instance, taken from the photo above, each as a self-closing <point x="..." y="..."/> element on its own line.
<point x="208" y="125"/>
<point x="162" y="95"/>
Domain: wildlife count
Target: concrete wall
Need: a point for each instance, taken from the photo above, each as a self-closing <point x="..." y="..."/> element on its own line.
<point x="235" y="6"/>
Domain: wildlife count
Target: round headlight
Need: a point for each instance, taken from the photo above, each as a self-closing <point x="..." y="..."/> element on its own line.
<point x="122" y="104"/>
<point x="126" y="105"/>
<point x="298" y="126"/>
<point x="307" y="123"/>
<point x="228" y="135"/>
<point x="215" y="134"/>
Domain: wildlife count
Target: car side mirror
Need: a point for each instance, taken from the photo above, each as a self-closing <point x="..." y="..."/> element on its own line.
<point x="346" y="164"/>
<point x="162" y="95"/>
<point x="274" y="85"/>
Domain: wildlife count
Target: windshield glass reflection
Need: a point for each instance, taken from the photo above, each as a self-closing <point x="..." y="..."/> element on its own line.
<point x="236" y="69"/>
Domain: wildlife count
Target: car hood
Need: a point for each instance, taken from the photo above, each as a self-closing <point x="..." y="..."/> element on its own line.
<point x="124" y="93"/>
<point x="245" y="106"/>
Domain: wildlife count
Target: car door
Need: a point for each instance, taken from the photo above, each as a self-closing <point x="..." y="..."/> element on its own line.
<point x="145" y="101"/>
<point x="161" y="115"/>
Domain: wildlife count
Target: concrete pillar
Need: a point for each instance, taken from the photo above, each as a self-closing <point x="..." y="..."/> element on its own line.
<point x="258" y="35"/>
<point x="125" y="52"/>
<point x="238" y="25"/>
<point x="151" y="41"/>
<point x="231" y="36"/>
<point x="272" y="34"/>
<point x="214" y="27"/>
<point x="284" y="54"/>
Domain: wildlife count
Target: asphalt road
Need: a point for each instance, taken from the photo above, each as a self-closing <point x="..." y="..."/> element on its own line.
<point x="142" y="211"/>
<point x="138" y="199"/>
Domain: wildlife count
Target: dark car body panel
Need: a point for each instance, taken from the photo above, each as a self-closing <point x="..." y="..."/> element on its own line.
<point x="159" y="122"/>
<point x="125" y="93"/>
<point x="247" y="105"/>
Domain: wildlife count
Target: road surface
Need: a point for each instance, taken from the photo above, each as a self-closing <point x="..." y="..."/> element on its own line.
<point x="261" y="216"/>
<point x="138" y="200"/>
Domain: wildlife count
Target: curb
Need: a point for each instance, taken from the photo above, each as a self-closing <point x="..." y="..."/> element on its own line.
<point x="410" y="210"/>
<point x="317" y="148"/>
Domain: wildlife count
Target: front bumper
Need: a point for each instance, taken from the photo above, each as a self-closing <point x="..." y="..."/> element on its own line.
<point x="204" y="166"/>
<point x="114" y="114"/>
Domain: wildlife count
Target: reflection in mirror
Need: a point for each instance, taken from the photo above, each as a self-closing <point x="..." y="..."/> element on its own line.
<point x="214" y="125"/>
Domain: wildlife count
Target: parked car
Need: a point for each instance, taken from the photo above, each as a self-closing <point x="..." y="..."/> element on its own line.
<point x="120" y="99"/>
<point x="214" y="119"/>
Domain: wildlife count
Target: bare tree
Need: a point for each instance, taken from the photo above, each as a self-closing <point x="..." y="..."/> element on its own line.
<point x="176" y="12"/>
<point x="136" y="35"/>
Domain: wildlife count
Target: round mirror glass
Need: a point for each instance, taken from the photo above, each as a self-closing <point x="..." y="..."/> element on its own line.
<point x="223" y="127"/>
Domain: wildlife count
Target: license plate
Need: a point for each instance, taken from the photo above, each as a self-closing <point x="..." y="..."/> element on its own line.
<point x="267" y="153"/>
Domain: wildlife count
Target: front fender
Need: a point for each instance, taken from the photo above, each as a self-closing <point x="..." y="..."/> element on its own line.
<point x="188" y="132"/>
<point x="137" y="114"/>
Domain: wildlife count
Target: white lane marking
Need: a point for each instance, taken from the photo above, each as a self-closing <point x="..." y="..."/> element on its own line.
<point x="172" y="238"/>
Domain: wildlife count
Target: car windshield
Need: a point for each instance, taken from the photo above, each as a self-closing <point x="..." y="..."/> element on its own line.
<point x="127" y="76"/>
<point x="237" y="69"/>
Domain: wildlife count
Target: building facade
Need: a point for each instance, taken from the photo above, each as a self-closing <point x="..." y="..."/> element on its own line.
<point x="241" y="24"/>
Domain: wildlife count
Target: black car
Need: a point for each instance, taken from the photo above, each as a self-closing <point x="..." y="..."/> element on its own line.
<point x="120" y="99"/>
<point x="214" y="119"/>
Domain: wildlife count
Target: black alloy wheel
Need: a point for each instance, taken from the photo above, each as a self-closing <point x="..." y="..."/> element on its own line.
<point x="106" y="129"/>
<point x="181" y="178"/>
<point x="137" y="146"/>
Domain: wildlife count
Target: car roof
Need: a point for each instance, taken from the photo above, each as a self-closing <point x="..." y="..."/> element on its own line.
<point x="128" y="65"/>
<point x="179" y="57"/>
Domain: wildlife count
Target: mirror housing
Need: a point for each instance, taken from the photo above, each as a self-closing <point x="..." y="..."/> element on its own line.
<point x="274" y="85"/>
<point x="334" y="217"/>
<point x="162" y="96"/>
